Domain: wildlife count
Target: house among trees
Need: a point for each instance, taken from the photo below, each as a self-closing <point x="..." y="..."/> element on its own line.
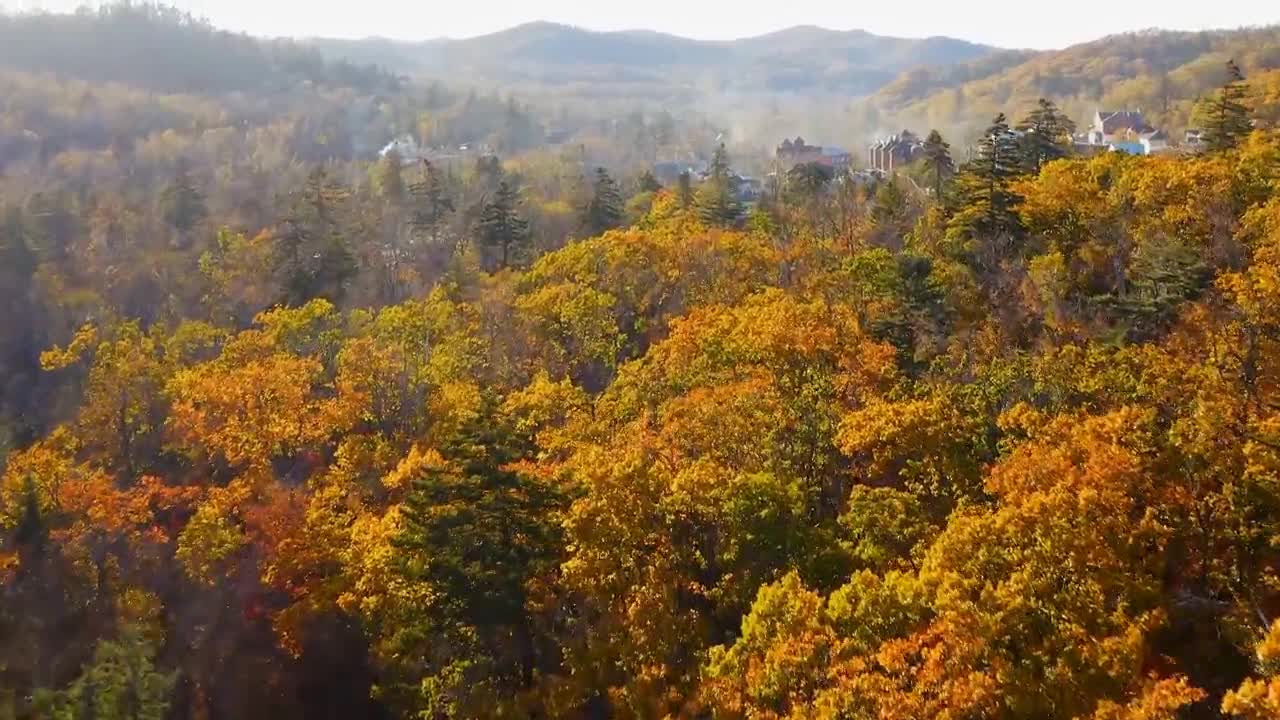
<point x="1125" y="131"/>
<point x="748" y="189"/>
<point x="895" y="151"/>
<point x="411" y="152"/>
<point x="404" y="146"/>
<point x="668" y="172"/>
<point x="796" y="152"/>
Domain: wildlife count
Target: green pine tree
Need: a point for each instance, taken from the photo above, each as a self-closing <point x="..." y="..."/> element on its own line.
<point x="388" y="178"/>
<point x="604" y="211"/>
<point x="431" y="205"/>
<point x="937" y="158"/>
<point x="18" y="260"/>
<point x="684" y="190"/>
<point x="1046" y="136"/>
<point x="720" y="168"/>
<point x="647" y="183"/>
<point x="807" y="181"/>
<point x="890" y="204"/>
<point x="1224" y="119"/>
<point x="717" y="198"/>
<point x="717" y="204"/>
<point x="20" y="330"/>
<point x="985" y="216"/>
<point x="31" y="531"/>
<point x="1163" y="273"/>
<point x="502" y="231"/>
<point x="310" y="256"/>
<point x="182" y="205"/>
<point x="53" y="224"/>
<point x="120" y="683"/>
<point x="474" y="535"/>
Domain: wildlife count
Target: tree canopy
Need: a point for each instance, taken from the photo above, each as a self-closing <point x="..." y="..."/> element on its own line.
<point x="292" y="428"/>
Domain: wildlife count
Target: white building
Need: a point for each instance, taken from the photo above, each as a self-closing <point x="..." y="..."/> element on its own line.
<point x="1125" y="131"/>
<point x="404" y="146"/>
<point x="1156" y="142"/>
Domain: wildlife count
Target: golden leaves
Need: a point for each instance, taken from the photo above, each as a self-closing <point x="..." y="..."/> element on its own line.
<point x="776" y="667"/>
<point x="60" y="358"/>
<point x="1158" y="699"/>
<point x="413" y="465"/>
<point x="212" y="537"/>
<point x="252" y="412"/>
<point x="37" y="474"/>
<point x="1259" y="699"/>
<point x="1254" y="700"/>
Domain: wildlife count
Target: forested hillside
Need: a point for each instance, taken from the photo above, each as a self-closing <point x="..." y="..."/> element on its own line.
<point x="163" y="49"/>
<point x="288" y="430"/>
<point x="1162" y="73"/>
<point x="844" y="87"/>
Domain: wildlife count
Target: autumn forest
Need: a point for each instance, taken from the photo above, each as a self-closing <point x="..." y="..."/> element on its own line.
<point x="291" y="430"/>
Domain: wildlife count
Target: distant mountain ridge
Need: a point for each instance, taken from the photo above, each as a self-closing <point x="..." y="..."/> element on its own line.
<point x="804" y="58"/>
<point x="832" y="85"/>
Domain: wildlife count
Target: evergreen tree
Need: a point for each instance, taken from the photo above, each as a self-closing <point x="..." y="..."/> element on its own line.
<point x="488" y="173"/>
<point x="1162" y="274"/>
<point x="53" y="224"/>
<point x="1224" y="119"/>
<point x="31" y="531"/>
<point x="720" y="168"/>
<point x="684" y="190"/>
<point x="431" y="205"/>
<point x="182" y="205"/>
<point x="604" y="210"/>
<point x="647" y="183"/>
<point x="17" y="259"/>
<point x="890" y="204"/>
<point x="717" y="204"/>
<point x="717" y="198"/>
<point x="937" y="158"/>
<point x="474" y="534"/>
<point x="20" y="335"/>
<point x="1046" y="136"/>
<point x="388" y="180"/>
<point x="310" y="256"/>
<point x="502" y="230"/>
<point x="891" y="216"/>
<point x="120" y="683"/>
<point x="808" y="181"/>
<point x="14" y="239"/>
<point x="986" y="210"/>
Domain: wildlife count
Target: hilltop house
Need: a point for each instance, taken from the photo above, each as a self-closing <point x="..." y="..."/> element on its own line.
<point x="895" y="151"/>
<point x="796" y="152"/>
<point x="1125" y="131"/>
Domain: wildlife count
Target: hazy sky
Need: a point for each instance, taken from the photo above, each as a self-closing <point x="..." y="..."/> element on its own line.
<point x="999" y="22"/>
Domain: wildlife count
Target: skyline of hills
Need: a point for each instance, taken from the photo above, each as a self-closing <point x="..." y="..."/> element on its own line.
<point x="804" y="59"/>
<point x="841" y="87"/>
<point x="834" y="84"/>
